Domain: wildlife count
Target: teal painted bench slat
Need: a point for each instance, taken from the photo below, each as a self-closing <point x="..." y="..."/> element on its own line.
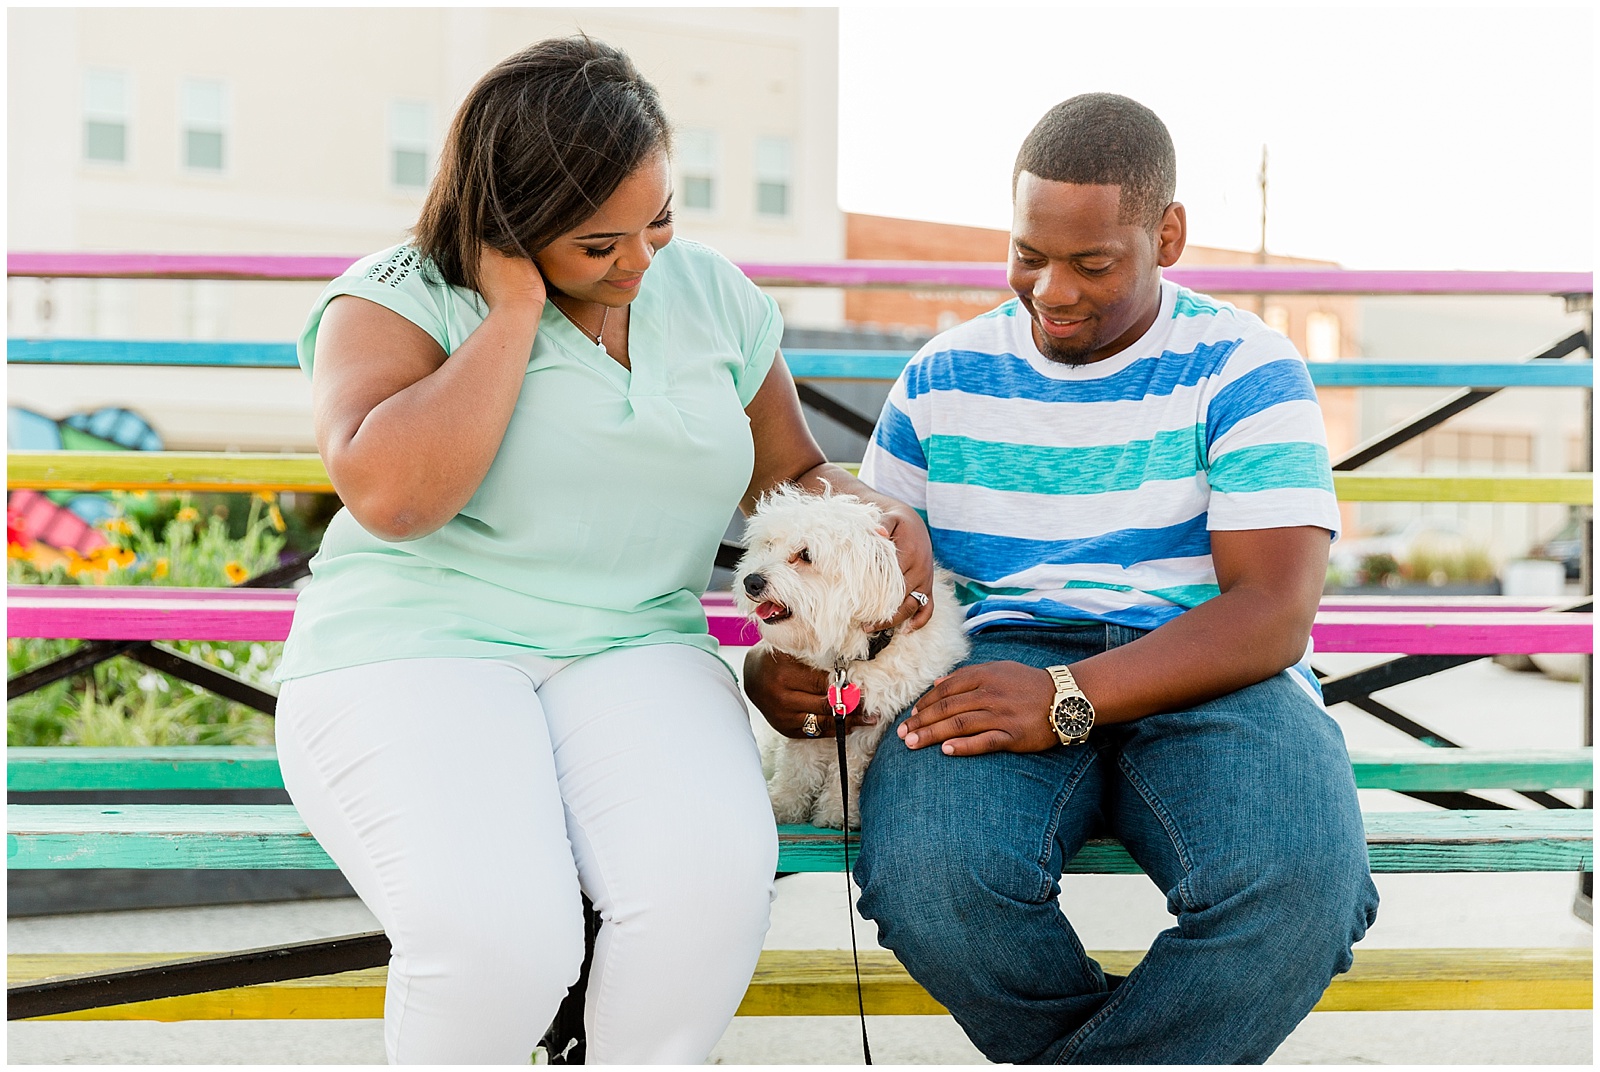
<point x="34" y="770"/>
<point x="805" y="363"/>
<point x="272" y="836"/>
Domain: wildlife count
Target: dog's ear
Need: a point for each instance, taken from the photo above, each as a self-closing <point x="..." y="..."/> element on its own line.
<point x="886" y="569"/>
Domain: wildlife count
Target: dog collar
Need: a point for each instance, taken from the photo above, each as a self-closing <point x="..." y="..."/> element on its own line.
<point x="878" y="642"/>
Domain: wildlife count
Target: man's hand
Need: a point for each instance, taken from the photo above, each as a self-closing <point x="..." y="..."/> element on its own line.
<point x="989" y="707"/>
<point x="786" y="690"/>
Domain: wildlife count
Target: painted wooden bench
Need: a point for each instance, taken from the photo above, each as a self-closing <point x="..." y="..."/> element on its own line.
<point x="150" y="613"/>
<point x="787" y="982"/>
<point x="793" y="982"/>
<point x="203" y="767"/>
<point x="272" y="836"/>
<point x="802" y="982"/>
<point x="220" y="471"/>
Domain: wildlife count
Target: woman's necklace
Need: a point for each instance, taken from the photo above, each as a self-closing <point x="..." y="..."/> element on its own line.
<point x="593" y="335"/>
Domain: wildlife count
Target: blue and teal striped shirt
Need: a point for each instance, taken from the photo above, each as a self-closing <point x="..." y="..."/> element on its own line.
<point x="1070" y="494"/>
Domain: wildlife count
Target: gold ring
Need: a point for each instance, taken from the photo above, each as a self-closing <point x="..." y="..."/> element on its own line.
<point x="922" y="600"/>
<point x="810" y="727"/>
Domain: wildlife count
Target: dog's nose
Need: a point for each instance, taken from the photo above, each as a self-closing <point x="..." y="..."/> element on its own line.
<point x="754" y="585"/>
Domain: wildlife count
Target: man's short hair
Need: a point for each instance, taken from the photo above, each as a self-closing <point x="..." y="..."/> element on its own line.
<point x="1105" y="139"/>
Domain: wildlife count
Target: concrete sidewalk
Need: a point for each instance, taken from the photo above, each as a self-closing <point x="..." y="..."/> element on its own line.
<point x="1469" y="704"/>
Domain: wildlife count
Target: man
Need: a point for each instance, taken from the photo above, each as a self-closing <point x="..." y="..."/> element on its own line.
<point x="1132" y="484"/>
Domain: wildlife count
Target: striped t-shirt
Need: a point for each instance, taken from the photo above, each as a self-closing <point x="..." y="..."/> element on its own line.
<point x="1071" y="494"/>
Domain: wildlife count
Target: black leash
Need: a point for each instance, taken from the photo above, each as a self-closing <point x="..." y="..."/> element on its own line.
<point x="841" y="712"/>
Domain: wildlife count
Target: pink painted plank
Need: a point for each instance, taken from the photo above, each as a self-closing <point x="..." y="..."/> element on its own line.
<point x="70" y="593"/>
<point x="244" y="614"/>
<point x="213" y="616"/>
<point x="1380" y="604"/>
<point x="1253" y="279"/>
<point x="1453" y="633"/>
<point x="69" y="265"/>
<point x="730" y="627"/>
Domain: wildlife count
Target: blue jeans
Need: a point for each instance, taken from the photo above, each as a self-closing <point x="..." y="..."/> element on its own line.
<point x="1243" y="810"/>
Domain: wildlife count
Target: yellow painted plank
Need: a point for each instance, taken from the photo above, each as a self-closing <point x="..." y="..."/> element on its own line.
<point x="1563" y="488"/>
<point x="87" y="470"/>
<point x="822" y="983"/>
<point x="135" y="470"/>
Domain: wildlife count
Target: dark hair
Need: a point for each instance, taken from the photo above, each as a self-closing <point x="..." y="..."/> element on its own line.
<point x="1104" y="139"/>
<point x="538" y="145"/>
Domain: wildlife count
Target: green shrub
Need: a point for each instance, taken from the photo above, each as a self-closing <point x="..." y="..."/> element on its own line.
<point x="155" y="540"/>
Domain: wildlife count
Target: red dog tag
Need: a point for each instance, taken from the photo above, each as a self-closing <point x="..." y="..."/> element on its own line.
<point x="843" y="701"/>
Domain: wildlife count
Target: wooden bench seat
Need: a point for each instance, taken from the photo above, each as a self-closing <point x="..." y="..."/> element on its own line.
<point x="822" y="983"/>
<point x="272" y="836"/>
<point x="199" y="767"/>
<point x="152" y="613"/>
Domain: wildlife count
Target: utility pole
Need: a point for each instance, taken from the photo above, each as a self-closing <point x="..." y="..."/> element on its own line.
<point x="1261" y="248"/>
<point x="1261" y="178"/>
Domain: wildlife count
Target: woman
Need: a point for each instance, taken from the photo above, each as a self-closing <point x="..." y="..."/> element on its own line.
<point x="499" y="689"/>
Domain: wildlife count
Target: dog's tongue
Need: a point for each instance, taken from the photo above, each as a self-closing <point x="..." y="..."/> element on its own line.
<point x="768" y="610"/>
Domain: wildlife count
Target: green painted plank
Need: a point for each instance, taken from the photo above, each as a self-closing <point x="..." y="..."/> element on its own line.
<point x="273" y="837"/>
<point x="34" y="770"/>
<point x="160" y="836"/>
<point x="1440" y="769"/>
<point x="1565" y="488"/>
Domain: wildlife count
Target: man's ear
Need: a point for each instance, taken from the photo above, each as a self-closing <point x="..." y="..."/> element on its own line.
<point x="1172" y="235"/>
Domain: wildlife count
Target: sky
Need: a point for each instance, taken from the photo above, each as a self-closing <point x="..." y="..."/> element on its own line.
<point x="1444" y="137"/>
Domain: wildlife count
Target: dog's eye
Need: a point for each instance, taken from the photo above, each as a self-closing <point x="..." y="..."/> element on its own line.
<point x="804" y="554"/>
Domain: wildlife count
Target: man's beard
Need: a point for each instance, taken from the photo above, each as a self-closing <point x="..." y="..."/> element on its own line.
<point x="1073" y="354"/>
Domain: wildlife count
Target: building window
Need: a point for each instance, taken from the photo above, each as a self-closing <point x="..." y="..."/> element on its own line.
<point x="1322" y="337"/>
<point x="205" y="123"/>
<point x="774" y="175"/>
<point x="105" y="117"/>
<point x="697" y="170"/>
<point x="408" y="144"/>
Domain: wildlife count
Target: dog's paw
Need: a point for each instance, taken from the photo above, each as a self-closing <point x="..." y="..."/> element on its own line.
<point x="832" y="818"/>
<point x="788" y="810"/>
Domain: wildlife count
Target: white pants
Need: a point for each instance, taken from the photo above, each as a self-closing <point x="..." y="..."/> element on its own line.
<point x="469" y="800"/>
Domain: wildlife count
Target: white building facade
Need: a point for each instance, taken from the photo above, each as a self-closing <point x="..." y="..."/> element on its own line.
<point x="303" y="130"/>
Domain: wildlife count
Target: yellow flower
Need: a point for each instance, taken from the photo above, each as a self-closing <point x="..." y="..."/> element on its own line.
<point x="117" y="526"/>
<point x="161" y="568"/>
<point x="119" y="558"/>
<point x="235" y="572"/>
<point x="16" y="550"/>
<point x="188" y="513"/>
<point x="77" y="565"/>
<point x="277" y="517"/>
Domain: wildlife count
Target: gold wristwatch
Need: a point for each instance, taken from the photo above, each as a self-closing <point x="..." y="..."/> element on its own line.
<point x="1071" y="713"/>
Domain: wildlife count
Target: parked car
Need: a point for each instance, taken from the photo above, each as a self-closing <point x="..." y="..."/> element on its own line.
<point x="1565" y="547"/>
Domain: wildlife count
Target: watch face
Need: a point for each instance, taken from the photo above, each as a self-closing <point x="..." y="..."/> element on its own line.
<point x="1073" y="716"/>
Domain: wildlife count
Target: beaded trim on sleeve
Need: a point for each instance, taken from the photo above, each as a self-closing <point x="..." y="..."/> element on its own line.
<point x="394" y="270"/>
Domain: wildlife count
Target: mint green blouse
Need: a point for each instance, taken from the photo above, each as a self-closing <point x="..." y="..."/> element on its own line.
<point x="599" y="520"/>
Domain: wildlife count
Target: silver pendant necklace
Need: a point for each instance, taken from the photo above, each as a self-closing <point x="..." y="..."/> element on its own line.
<point x="595" y="336"/>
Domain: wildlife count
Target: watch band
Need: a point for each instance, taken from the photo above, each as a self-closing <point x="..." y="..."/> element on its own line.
<point x="1071" y="713"/>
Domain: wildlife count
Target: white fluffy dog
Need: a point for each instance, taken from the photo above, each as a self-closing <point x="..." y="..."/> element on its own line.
<point x="816" y="570"/>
